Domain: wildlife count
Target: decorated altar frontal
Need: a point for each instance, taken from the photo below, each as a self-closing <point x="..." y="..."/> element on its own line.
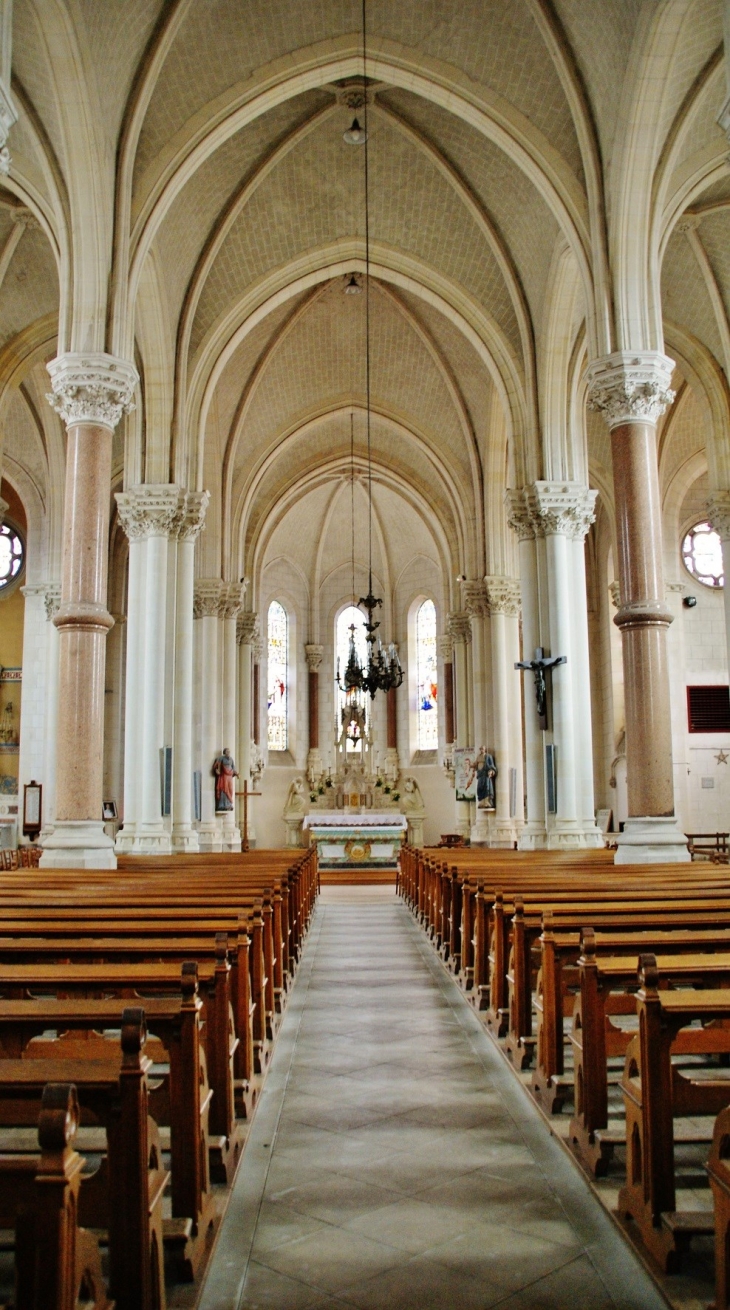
<point x="356" y="841"/>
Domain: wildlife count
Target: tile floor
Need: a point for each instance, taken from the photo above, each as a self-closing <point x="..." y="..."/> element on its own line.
<point x="394" y="1162"/>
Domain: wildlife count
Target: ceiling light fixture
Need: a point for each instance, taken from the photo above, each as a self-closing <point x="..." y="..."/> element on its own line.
<point x="383" y="671"/>
<point x="353" y="288"/>
<point x="355" y="134"/>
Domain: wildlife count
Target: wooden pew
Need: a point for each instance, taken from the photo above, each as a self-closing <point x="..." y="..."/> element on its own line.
<point x="57" y="1263"/>
<point x="595" y="1039"/>
<point x="125" y="1195"/>
<point x="718" y="1169"/>
<point x="655" y="1092"/>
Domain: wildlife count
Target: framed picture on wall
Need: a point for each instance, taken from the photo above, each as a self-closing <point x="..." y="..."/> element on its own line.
<point x="109" y="811"/>
<point x="465" y="773"/>
<point x="32" y="809"/>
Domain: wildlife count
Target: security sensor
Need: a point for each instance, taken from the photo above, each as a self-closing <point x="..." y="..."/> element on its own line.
<point x="689" y="602"/>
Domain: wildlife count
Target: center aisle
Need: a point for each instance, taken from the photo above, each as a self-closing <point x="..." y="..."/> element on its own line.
<point x="394" y="1161"/>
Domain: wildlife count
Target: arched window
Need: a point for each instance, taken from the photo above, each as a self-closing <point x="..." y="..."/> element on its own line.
<point x="278" y="675"/>
<point x="702" y="555"/>
<point x="350" y="617"/>
<point x="11" y="555"/>
<point x="426" y="667"/>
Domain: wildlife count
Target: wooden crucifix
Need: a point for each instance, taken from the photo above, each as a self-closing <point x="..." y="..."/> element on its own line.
<point x="539" y="667"/>
<point x="246" y="793"/>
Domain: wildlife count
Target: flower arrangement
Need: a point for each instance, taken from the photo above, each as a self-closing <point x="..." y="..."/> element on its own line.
<point x="396" y="795"/>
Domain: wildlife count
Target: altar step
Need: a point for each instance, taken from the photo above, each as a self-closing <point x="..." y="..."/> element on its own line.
<point x="357" y="877"/>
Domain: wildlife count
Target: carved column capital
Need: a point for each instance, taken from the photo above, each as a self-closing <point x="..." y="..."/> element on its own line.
<point x="519" y="516"/>
<point x="562" y="508"/>
<point x="474" y="595"/>
<point x="718" y="512"/>
<point x="231" y="599"/>
<point x="247" y="628"/>
<point x="8" y="116"/>
<point x="630" y="386"/>
<point x="151" y="510"/>
<point x="314" y="655"/>
<point x="445" y="647"/>
<point x="206" y="597"/>
<point x="503" y="595"/>
<point x="458" y="624"/>
<point x="3" y="510"/>
<point x="93" y="388"/>
<point x="614" y="589"/>
<point x="193" y="515"/>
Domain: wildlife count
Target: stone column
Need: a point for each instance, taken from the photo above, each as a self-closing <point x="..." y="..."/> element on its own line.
<point x="90" y="392"/>
<point x="534" y="833"/>
<point x="475" y="603"/>
<point x="503" y="600"/>
<point x="446" y="651"/>
<point x="184" y="835"/>
<point x="631" y="390"/>
<point x="53" y="603"/>
<point x="246" y="635"/>
<point x="150" y="514"/>
<point x="563" y="512"/>
<point x="459" y="629"/>
<point x="206" y="601"/>
<point x="391" y="768"/>
<point x="314" y="656"/>
<point x="231" y="601"/>
<point x="718" y="512"/>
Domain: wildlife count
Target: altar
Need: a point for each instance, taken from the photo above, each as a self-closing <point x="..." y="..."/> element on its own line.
<point x="367" y="840"/>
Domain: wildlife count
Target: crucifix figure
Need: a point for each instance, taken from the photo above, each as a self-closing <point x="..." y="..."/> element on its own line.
<point x="246" y="793"/>
<point x="539" y="666"/>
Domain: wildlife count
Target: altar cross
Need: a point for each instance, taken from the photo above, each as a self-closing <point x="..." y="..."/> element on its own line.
<point x="539" y="667"/>
<point x="245" y="794"/>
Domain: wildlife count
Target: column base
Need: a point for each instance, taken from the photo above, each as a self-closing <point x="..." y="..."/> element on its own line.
<point x="209" y="838"/>
<point x="184" y="840"/>
<point x="652" y="840"/>
<point x="231" y="840"/>
<point x="78" y="844"/>
<point x="462" y="823"/>
<point x="155" y="841"/>
<point x="570" y="835"/>
<point x="533" y="837"/>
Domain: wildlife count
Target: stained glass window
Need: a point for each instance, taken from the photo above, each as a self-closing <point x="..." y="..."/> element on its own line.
<point x="702" y="555"/>
<point x="277" y="663"/>
<point x="11" y="555"/>
<point x="428" y="730"/>
<point x="350" y="617"/>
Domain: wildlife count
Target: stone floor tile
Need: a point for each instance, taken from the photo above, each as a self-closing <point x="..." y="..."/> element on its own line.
<point x="575" y="1286"/>
<point x="411" y="1224"/>
<point x="421" y="1285"/>
<point x="333" y="1260"/>
<point x="265" y="1289"/>
<point x="334" y="1198"/>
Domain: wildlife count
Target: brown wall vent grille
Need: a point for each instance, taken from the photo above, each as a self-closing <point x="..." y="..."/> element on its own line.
<point x="708" y="709"/>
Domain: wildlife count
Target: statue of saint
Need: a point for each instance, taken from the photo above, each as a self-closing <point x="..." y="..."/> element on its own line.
<point x="486" y="774"/>
<point x="224" y="771"/>
<point x="412" y="800"/>
<point x="296" y="801"/>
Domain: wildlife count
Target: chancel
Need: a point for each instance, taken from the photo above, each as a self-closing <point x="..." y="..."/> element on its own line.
<point x="364" y="630"/>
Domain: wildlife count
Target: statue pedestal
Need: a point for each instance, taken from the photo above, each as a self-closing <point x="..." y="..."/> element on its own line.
<point x="415" y="829"/>
<point x="294" y="831"/>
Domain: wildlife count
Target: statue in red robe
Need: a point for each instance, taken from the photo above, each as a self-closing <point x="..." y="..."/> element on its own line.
<point x="224" y="771"/>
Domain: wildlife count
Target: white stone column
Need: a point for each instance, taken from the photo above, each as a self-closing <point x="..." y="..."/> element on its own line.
<point x="459" y="628"/>
<point x="184" y="835"/>
<point x="32" y="692"/>
<point x="90" y="392"/>
<point x="206" y="603"/>
<point x="231" y="601"/>
<point x="718" y="512"/>
<point x="247" y="629"/>
<point x="503" y="599"/>
<point x="534" y="833"/>
<point x="563" y="512"/>
<point x="314" y="654"/>
<point x="150" y="514"/>
<point x="475" y="603"/>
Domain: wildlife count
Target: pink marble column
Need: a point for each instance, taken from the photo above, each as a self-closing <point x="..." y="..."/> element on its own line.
<point x="90" y="392"/>
<point x="631" y="390"/>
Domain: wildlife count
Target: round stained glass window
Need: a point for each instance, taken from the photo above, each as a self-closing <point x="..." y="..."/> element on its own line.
<point x="702" y="555"/>
<point x="11" y="555"/>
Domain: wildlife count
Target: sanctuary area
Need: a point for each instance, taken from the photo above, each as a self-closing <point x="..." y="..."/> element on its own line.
<point x="364" y="708"/>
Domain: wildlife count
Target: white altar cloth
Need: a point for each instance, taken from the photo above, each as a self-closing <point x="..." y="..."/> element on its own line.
<point x="351" y="819"/>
